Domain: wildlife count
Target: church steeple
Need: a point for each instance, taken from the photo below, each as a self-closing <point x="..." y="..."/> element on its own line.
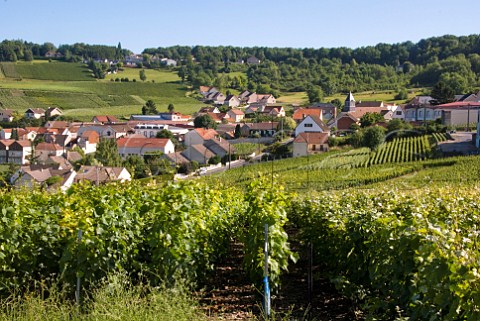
<point x="349" y="103"/>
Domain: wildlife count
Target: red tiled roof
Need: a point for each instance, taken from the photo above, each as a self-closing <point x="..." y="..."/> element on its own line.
<point x="301" y="113"/>
<point x="312" y="138"/>
<point x="48" y="147"/>
<point x="360" y="111"/>
<point x="206" y="133"/>
<point x="236" y="111"/>
<point x="106" y="119"/>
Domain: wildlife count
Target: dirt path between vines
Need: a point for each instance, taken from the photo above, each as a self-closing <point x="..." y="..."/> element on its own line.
<point x="230" y="296"/>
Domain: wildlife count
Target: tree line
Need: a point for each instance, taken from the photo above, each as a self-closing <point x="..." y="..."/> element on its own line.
<point x="451" y="59"/>
<point x="14" y="50"/>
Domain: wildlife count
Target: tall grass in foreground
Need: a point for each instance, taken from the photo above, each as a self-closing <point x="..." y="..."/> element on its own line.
<point x="115" y="299"/>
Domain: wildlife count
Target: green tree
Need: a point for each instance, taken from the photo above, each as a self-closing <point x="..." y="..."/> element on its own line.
<point x="373" y="137"/>
<point x="368" y="119"/>
<point x="142" y="74"/>
<point x="150" y="108"/>
<point x="171" y="108"/>
<point x="14" y="134"/>
<point x="314" y="94"/>
<point x="135" y="164"/>
<point x="402" y="94"/>
<point x="204" y="121"/>
<point x="442" y="93"/>
<point x="28" y="55"/>
<point x="107" y="153"/>
<point x="289" y="124"/>
<point x="238" y="132"/>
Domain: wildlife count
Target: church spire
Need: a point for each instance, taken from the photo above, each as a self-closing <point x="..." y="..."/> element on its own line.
<point x="349" y="103"/>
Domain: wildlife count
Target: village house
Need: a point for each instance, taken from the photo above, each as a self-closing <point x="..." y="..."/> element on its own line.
<point x="199" y="135"/>
<point x="231" y="101"/>
<point x="274" y="111"/>
<point x="6" y="115"/>
<point x="44" y="150"/>
<point x="19" y="152"/>
<point x="23" y="134"/>
<point x="300" y="113"/>
<point x="151" y="130"/>
<point x="102" y="174"/>
<point x="216" y="98"/>
<point x="53" y="112"/>
<point x="88" y="141"/>
<point x="247" y="97"/>
<point x="236" y="115"/>
<point x="308" y="143"/>
<point x="266" y="99"/>
<point x="4" y="144"/>
<point x="268" y="129"/>
<point x="28" y="176"/>
<point x="35" y="113"/>
<point x="457" y="113"/>
<point x="108" y="131"/>
<point x="204" y="90"/>
<point x="141" y="146"/>
<point x="105" y="119"/>
<point x="198" y="153"/>
<point x="311" y="124"/>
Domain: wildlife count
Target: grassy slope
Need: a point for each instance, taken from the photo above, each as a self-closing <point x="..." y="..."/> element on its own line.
<point x="54" y="71"/>
<point x="66" y="85"/>
<point x="159" y="76"/>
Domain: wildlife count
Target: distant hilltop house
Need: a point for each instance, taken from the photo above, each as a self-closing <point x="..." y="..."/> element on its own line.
<point x="133" y="60"/>
<point x="168" y="62"/>
<point x="53" y="54"/>
<point x="252" y="60"/>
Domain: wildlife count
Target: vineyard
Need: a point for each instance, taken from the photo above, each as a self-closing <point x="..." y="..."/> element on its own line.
<point x="404" y="252"/>
<point x="9" y="70"/>
<point x="402" y="150"/>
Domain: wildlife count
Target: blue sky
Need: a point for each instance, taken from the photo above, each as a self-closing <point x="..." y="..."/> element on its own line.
<point x="281" y="23"/>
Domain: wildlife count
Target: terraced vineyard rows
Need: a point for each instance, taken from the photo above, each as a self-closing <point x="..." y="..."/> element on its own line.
<point x="9" y="70"/>
<point x="402" y="150"/>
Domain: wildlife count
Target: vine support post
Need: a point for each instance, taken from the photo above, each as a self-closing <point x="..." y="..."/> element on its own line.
<point x="310" y="272"/>
<point x="77" y="291"/>
<point x="266" y="286"/>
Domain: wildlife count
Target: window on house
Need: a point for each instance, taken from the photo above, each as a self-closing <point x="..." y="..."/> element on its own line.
<point x="308" y="125"/>
<point x="398" y="113"/>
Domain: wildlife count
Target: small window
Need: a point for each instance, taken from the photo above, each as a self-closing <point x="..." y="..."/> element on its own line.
<point x="398" y="113"/>
<point x="308" y="125"/>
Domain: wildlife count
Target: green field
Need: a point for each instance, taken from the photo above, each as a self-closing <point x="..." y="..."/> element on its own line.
<point x="293" y="98"/>
<point x="157" y="75"/>
<point x="61" y="71"/>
